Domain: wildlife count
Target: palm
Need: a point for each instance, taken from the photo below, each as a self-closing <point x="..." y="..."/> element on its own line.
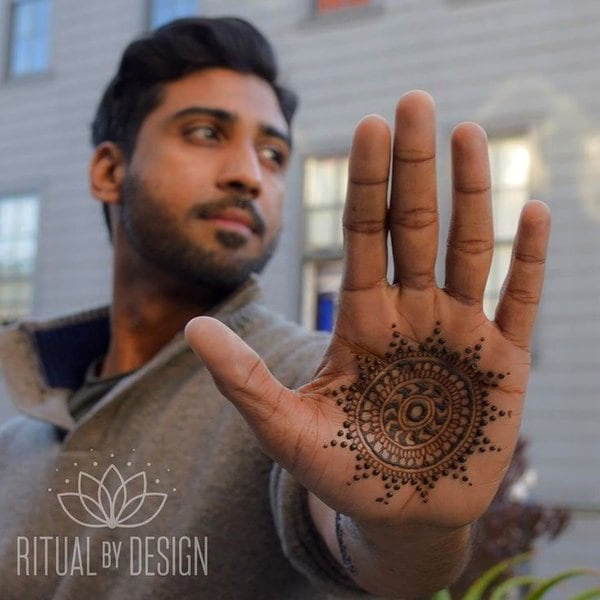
<point x="430" y="425"/>
<point x="415" y="409"/>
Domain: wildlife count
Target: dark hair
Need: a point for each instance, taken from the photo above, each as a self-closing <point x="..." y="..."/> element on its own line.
<point x="171" y="52"/>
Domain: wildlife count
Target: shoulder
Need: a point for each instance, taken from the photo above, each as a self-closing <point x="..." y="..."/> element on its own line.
<point x="22" y="435"/>
<point x="291" y="351"/>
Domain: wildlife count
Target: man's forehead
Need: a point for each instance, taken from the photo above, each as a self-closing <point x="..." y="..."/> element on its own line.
<point x="245" y="96"/>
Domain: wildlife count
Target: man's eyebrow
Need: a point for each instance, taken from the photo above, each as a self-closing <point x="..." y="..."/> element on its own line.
<point x="271" y="131"/>
<point x="228" y="117"/>
<point x="217" y="113"/>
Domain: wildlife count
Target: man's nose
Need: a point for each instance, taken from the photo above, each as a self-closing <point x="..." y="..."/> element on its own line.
<point x="241" y="171"/>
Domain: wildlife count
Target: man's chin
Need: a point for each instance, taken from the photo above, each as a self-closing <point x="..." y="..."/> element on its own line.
<point x="231" y="240"/>
<point x="220" y="274"/>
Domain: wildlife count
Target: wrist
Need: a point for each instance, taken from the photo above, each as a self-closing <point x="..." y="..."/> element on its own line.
<point x="412" y="533"/>
<point x="439" y="554"/>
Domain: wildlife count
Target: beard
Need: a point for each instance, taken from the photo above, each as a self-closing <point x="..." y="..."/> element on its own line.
<point x="159" y="238"/>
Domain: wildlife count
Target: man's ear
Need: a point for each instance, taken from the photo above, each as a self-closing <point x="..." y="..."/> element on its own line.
<point x="107" y="172"/>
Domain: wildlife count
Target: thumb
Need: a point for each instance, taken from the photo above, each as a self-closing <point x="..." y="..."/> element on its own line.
<point x="241" y="376"/>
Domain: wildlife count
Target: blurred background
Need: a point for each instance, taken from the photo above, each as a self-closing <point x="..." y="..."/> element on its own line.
<point x="525" y="69"/>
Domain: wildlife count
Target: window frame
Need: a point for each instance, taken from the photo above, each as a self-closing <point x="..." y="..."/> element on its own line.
<point x="150" y="13"/>
<point x="29" y="274"/>
<point x="505" y="242"/>
<point x="328" y="252"/>
<point x="321" y="262"/>
<point x="11" y="42"/>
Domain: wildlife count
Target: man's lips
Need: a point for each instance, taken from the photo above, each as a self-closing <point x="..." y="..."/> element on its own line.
<point x="234" y="214"/>
<point x="233" y="218"/>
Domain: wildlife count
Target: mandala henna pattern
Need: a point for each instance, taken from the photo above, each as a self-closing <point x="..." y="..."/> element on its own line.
<point x="416" y="414"/>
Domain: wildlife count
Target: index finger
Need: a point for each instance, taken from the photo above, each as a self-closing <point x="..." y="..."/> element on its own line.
<point x="520" y="297"/>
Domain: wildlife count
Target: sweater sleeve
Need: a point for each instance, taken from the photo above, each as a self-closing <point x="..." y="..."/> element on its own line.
<point x="302" y="544"/>
<point x="293" y="354"/>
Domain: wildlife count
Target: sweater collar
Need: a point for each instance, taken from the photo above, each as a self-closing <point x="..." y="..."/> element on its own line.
<point x="43" y="362"/>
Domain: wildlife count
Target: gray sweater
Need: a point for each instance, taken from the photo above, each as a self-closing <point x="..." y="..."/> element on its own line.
<point x="159" y="489"/>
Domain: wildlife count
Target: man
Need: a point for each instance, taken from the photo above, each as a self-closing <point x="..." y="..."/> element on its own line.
<point x="132" y="477"/>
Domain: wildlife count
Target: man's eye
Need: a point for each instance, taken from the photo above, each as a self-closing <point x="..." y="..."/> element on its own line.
<point x="205" y="132"/>
<point x="273" y="155"/>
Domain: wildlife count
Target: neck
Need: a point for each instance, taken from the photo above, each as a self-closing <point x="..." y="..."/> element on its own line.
<point x="149" y="308"/>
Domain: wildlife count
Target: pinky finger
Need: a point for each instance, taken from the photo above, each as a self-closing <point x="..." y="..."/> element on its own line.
<point x="521" y="293"/>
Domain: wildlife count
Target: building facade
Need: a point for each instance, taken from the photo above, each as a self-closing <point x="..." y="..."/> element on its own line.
<point x="524" y="69"/>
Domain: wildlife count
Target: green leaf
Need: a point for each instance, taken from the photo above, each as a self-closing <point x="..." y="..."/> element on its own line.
<point x="555" y="580"/>
<point x="591" y="594"/>
<point x="442" y="595"/>
<point x="476" y="591"/>
<point x="500" y="591"/>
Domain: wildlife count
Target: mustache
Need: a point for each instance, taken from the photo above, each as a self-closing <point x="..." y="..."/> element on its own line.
<point x="214" y="208"/>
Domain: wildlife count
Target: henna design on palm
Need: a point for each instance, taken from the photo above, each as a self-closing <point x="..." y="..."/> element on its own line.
<point x="416" y="414"/>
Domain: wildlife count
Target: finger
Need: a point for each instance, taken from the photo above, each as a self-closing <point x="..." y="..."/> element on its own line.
<point x="413" y="204"/>
<point x="241" y="376"/>
<point x="471" y="236"/>
<point x="520" y="297"/>
<point x="365" y="229"/>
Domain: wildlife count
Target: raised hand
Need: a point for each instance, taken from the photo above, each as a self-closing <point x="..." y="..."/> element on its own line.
<point x="414" y="412"/>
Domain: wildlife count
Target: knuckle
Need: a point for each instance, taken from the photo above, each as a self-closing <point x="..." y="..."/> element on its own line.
<point x="415" y="218"/>
<point x="471" y="245"/>
<point x="418" y="281"/>
<point x="252" y="374"/>
<point x="461" y="297"/>
<point x="522" y="295"/>
<point x="411" y="155"/>
<point x="367" y="181"/>
<point x="365" y="226"/>
<point x="529" y="259"/>
<point x="468" y="188"/>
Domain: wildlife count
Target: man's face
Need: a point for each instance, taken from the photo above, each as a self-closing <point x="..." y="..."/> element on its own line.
<point x="203" y="192"/>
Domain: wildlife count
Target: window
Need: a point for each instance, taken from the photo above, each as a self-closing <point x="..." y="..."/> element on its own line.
<point x="327" y="6"/>
<point x="30" y="37"/>
<point x="324" y="197"/>
<point x="18" y="250"/>
<point x="324" y="194"/>
<point x="510" y="160"/>
<point x="321" y="284"/>
<point x="163" y="11"/>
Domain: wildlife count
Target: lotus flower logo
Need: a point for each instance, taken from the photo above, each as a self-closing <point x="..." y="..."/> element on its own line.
<point x="112" y="501"/>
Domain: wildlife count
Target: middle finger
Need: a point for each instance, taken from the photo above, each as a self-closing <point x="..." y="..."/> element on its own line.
<point x="413" y="202"/>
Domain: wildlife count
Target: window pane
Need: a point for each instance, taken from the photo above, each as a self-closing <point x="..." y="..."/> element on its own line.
<point x="42" y="16"/>
<point x="18" y="249"/>
<point x="510" y="161"/>
<point x="24" y="17"/>
<point x="38" y="54"/>
<point x="30" y="36"/>
<point x="323" y="229"/>
<point x="507" y="208"/>
<point x="324" y="196"/>
<point x="500" y="264"/>
<point x="329" y="277"/>
<point x="325" y="181"/>
<point x="163" y="11"/>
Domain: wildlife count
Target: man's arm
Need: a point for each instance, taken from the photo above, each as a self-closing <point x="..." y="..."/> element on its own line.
<point x="418" y="560"/>
<point x="410" y="422"/>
